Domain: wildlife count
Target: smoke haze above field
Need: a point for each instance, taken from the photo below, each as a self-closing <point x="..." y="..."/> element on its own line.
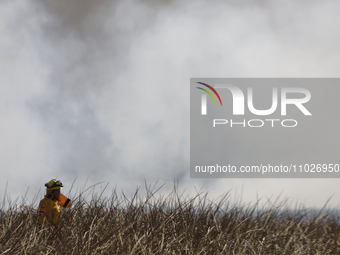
<point x="100" y="89"/>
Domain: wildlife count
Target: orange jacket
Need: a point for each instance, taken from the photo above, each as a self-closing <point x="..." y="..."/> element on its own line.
<point x="49" y="211"/>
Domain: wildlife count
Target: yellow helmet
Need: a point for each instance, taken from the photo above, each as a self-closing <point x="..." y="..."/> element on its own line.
<point x="54" y="184"/>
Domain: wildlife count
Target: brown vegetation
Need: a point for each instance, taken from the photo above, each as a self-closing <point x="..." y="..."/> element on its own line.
<point x="168" y="225"/>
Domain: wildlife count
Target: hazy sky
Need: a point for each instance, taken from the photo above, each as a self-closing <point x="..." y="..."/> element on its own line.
<point x="100" y="89"/>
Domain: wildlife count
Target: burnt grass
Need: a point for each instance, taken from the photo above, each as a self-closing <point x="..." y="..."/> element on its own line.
<point x="171" y="224"/>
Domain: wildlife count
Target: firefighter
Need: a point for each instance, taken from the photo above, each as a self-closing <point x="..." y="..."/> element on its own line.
<point x="50" y="207"/>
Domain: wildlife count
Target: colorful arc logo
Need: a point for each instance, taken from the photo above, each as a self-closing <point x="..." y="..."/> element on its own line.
<point x="209" y="92"/>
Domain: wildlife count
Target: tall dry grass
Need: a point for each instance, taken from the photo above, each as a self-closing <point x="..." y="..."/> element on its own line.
<point x="172" y="224"/>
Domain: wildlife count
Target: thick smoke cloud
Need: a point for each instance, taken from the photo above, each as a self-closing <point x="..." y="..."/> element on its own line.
<point x="100" y="89"/>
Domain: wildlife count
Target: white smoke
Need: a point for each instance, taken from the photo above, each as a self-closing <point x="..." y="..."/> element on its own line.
<point x="100" y="89"/>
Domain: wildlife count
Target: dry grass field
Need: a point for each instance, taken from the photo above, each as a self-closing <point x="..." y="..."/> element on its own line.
<point x="172" y="224"/>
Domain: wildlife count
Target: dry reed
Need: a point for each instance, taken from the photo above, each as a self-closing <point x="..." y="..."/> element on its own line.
<point x="174" y="224"/>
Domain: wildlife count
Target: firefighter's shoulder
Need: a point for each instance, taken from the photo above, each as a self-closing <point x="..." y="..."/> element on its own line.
<point x="46" y="203"/>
